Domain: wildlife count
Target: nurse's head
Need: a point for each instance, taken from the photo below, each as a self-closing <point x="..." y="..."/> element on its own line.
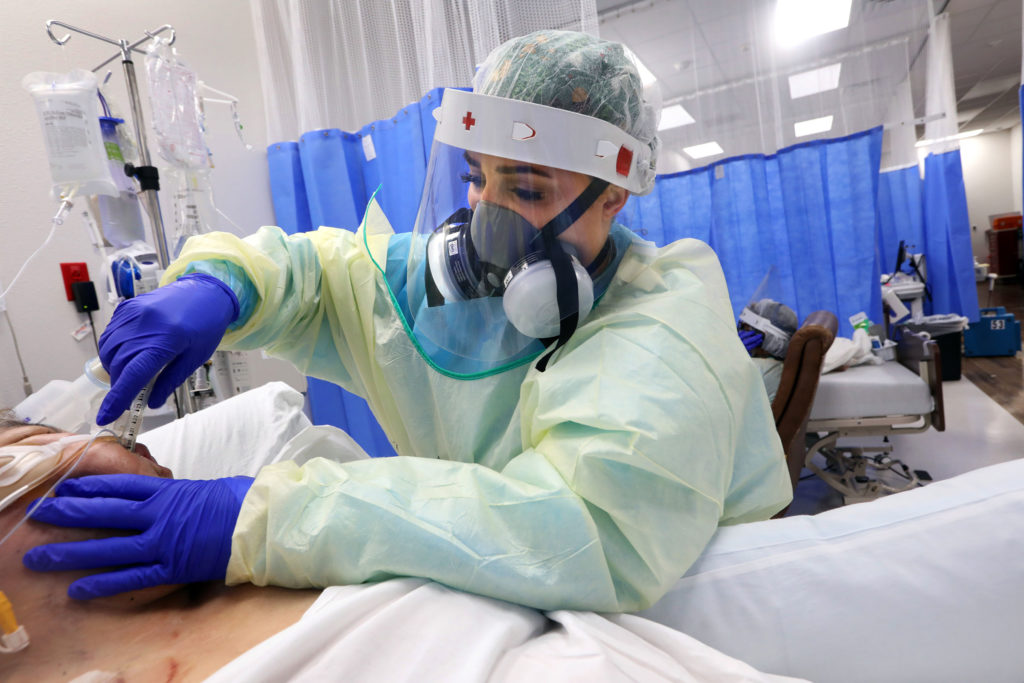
<point x="589" y="77"/>
<point x="554" y="138"/>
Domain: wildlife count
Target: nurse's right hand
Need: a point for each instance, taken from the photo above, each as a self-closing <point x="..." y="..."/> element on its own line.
<point x="176" y="327"/>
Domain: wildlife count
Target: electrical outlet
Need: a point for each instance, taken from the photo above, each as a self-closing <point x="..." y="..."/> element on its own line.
<point x="73" y="272"/>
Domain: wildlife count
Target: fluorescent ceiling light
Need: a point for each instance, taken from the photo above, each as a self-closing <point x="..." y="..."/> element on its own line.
<point x="958" y="136"/>
<point x="673" y="117"/>
<point x="814" y="81"/>
<point x="708" y="149"/>
<point x="798" y="20"/>
<point x="812" y="126"/>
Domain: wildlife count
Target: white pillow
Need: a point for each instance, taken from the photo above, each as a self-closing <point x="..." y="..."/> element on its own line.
<point x="236" y="436"/>
<point x="926" y="585"/>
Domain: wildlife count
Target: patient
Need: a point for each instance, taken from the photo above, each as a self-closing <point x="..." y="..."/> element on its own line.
<point x="165" y="634"/>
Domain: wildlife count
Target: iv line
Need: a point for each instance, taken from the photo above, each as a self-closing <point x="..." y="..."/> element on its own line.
<point x="49" y="492"/>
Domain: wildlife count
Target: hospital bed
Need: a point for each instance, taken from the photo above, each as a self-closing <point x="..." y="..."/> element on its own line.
<point x="868" y="402"/>
<point x="922" y="585"/>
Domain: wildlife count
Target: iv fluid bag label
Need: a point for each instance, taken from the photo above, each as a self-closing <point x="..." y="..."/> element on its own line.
<point x="187" y="211"/>
<point x="65" y="131"/>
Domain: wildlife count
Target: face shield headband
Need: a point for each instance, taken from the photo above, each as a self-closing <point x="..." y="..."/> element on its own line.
<point x="776" y="341"/>
<point x="466" y="261"/>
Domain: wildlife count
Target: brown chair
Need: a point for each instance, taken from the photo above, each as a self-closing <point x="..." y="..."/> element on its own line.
<point x="801" y="370"/>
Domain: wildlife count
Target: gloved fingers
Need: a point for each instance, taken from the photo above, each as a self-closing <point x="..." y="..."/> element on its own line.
<point x="118" y="581"/>
<point x="175" y="374"/>
<point x="89" y="513"/>
<point x="126" y="384"/>
<point x="92" y="554"/>
<point x="130" y="487"/>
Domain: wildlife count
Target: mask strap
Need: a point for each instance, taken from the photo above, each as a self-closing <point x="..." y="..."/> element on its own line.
<point x="566" y="287"/>
<point x="604" y="255"/>
<point x="579" y="206"/>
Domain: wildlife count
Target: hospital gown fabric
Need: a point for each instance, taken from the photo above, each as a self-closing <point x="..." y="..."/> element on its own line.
<point x="593" y="485"/>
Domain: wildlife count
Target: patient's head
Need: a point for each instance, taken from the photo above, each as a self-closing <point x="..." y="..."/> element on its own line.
<point x="105" y="456"/>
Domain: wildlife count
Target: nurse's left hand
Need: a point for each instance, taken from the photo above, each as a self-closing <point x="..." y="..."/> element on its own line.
<point x="185" y="531"/>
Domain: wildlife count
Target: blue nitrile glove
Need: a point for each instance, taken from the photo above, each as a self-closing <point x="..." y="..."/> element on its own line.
<point x="178" y="326"/>
<point x="751" y="339"/>
<point x="185" y="531"/>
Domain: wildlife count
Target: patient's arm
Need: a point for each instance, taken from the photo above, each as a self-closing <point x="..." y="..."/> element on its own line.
<point x="159" y="634"/>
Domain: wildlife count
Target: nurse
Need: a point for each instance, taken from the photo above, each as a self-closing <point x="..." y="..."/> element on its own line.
<point x="573" y="410"/>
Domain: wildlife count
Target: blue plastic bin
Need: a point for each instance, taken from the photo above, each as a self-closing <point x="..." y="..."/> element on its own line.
<point x="997" y="333"/>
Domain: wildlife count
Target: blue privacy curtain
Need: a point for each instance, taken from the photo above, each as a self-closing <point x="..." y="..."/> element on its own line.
<point x="810" y="210"/>
<point x="900" y="214"/>
<point x="930" y="215"/>
<point x="326" y="179"/>
<point x="948" y="255"/>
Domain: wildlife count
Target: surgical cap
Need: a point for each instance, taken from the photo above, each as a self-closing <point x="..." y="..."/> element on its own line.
<point x="577" y="72"/>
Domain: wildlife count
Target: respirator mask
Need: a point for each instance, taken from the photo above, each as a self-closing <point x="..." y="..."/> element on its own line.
<point x="492" y="251"/>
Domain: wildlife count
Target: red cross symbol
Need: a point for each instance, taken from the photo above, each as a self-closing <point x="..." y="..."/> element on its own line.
<point x="468" y="120"/>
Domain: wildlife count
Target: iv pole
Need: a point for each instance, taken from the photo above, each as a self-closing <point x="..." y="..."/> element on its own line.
<point x="146" y="174"/>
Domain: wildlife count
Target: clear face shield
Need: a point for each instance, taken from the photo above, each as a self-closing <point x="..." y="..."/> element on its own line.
<point x="503" y="247"/>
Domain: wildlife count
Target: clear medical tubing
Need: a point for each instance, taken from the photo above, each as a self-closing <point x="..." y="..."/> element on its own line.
<point x="49" y="492"/>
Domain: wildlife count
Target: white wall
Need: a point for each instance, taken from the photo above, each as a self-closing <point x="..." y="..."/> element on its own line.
<point x="1016" y="167"/>
<point x="215" y="39"/>
<point x="991" y="180"/>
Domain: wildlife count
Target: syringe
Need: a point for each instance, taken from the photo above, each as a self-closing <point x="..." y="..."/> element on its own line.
<point x="128" y="424"/>
<point x="133" y="418"/>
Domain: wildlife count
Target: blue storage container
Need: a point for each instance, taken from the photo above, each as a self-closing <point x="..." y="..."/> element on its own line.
<point x="997" y="333"/>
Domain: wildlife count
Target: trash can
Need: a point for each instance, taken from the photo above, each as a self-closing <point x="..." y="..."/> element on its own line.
<point x="949" y="354"/>
<point x="947" y="333"/>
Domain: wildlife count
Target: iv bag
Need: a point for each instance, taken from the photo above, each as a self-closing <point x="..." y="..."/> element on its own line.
<point x="68" y="114"/>
<point x="172" y="94"/>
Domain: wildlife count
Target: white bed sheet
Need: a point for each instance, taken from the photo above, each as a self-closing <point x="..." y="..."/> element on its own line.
<point x="416" y="630"/>
<point x="871" y="391"/>
<point x="234" y="437"/>
<point x="926" y="585"/>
